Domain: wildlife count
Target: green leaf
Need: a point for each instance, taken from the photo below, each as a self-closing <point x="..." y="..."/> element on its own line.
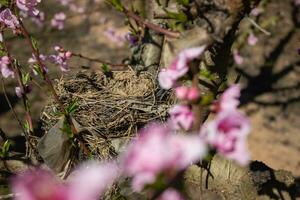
<point x="183" y="2"/>
<point x="107" y="71"/>
<point x="5" y="3"/>
<point x="117" y="4"/>
<point x="72" y="107"/>
<point x="25" y="78"/>
<point x="34" y="43"/>
<point x="67" y="129"/>
<point x="207" y="99"/>
<point x="206" y="74"/>
<point x="2" y="53"/>
<point x="5" y="149"/>
<point x="37" y="69"/>
<point x="26" y="126"/>
<point x="180" y="16"/>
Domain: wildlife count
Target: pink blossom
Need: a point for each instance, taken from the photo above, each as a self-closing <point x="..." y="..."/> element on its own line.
<point x="157" y="150"/>
<point x="252" y="39"/>
<point x="19" y="93"/>
<point x="167" y="78"/>
<point x="6" y="70"/>
<point x="75" y="8"/>
<point x="187" y="93"/>
<point x="171" y="194"/>
<point x="114" y="36"/>
<point x="229" y="100"/>
<point x="227" y="133"/>
<point x="91" y="180"/>
<point x="39" y="19"/>
<point x="65" y="2"/>
<point x="181" y="92"/>
<point x="178" y="67"/>
<point x="61" y="58"/>
<point x="8" y="19"/>
<point x="297" y="2"/>
<point x="33" y="61"/>
<point x="181" y="116"/>
<point x="257" y="11"/>
<point x="237" y="57"/>
<point x="58" y="21"/>
<point x="132" y="39"/>
<point x="87" y="183"/>
<point x="29" y="6"/>
<point x="38" y="184"/>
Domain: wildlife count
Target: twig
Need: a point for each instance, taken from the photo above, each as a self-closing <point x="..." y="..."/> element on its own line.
<point x="2" y="134"/>
<point x="98" y="60"/>
<point x="14" y="112"/>
<point x="47" y="79"/>
<point x="258" y="26"/>
<point x="24" y="97"/>
<point x="150" y="25"/>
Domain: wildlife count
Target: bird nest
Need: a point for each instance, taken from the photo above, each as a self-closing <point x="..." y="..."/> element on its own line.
<point x="111" y="109"/>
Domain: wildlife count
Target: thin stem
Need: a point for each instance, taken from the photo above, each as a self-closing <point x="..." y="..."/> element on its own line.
<point x="98" y="60"/>
<point x="29" y="131"/>
<point x="18" y="74"/>
<point x="258" y="26"/>
<point x="14" y="112"/>
<point x="196" y="107"/>
<point x="40" y="63"/>
<point x="47" y="79"/>
<point x="150" y="25"/>
<point x="2" y="134"/>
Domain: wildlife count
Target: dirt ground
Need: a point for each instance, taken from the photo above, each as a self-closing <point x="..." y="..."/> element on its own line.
<point x="271" y="97"/>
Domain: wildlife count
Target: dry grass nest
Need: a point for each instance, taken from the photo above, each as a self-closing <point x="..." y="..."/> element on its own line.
<point x="109" y="108"/>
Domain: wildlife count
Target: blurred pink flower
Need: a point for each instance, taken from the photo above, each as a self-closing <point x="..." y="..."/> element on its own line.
<point x="58" y="21"/>
<point x="167" y="78"/>
<point x="187" y="93"/>
<point x="91" y="180"/>
<point x="29" y="6"/>
<point x="18" y="92"/>
<point x="227" y="133"/>
<point x="181" y="117"/>
<point x="115" y="37"/>
<point x="252" y="39"/>
<point x="28" y="89"/>
<point x="38" y="184"/>
<point x="6" y="70"/>
<point x="39" y="20"/>
<point x="87" y="183"/>
<point x="8" y="19"/>
<point x="238" y="59"/>
<point x="297" y="2"/>
<point x="157" y="150"/>
<point x="229" y="100"/>
<point x="179" y="67"/>
<point x="65" y="2"/>
<point x="171" y="194"/>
